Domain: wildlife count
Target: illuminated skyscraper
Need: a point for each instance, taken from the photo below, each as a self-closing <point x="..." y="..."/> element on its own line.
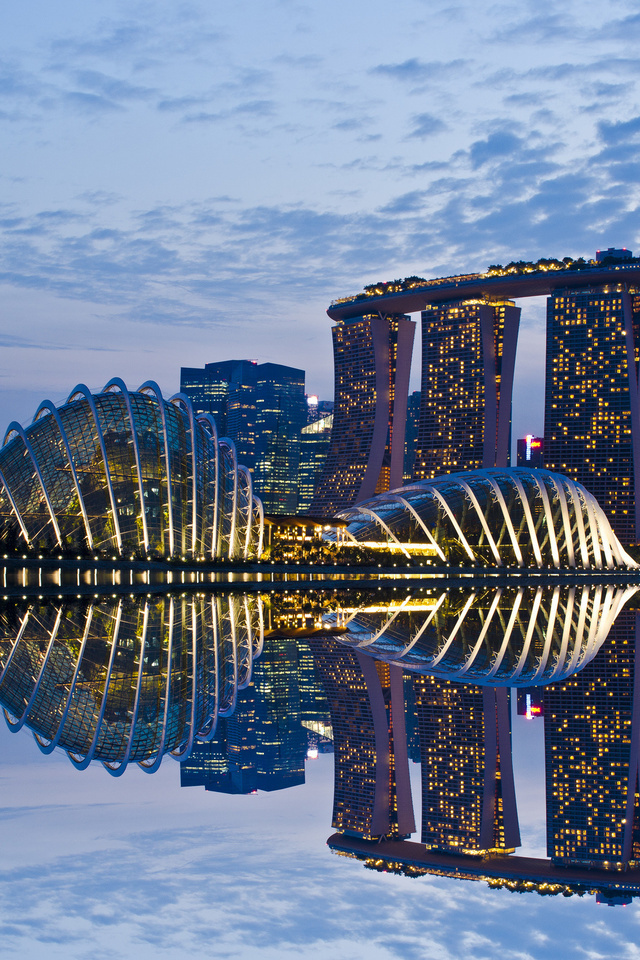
<point x="262" y="408"/>
<point x="372" y="361"/>
<point x="468" y="795"/>
<point x="281" y="412"/>
<point x="314" y="447"/>
<point x="592" y="733"/>
<point x="372" y="796"/>
<point x="530" y="452"/>
<point x="411" y="433"/>
<point x="592" y="417"/>
<point x="468" y="359"/>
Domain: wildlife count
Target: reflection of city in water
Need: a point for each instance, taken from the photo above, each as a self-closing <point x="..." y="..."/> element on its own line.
<point x="243" y="687"/>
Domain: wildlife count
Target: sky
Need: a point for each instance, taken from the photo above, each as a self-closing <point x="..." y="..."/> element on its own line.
<point x="183" y="182"/>
<point x="96" y="868"/>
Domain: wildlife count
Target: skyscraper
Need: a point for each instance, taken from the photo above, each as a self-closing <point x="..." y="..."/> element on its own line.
<point x="372" y="361"/>
<point x="592" y="417"/>
<point x="592" y="732"/>
<point x="281" y="411"/>
<point x="468" y="794"/>
<point x="411" y="433"/>
<point x="262" y="408"/>
<point x="468" y="359"/>
<point x="314" y="447"/>
<point x="530" y="452"/>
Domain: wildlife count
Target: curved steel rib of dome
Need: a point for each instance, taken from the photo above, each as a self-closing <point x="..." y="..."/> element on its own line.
<point x="512" y="637"/>
<point x="126" y="472"/>
<point x="123" y="681"/>
<point x="494" y="517"/>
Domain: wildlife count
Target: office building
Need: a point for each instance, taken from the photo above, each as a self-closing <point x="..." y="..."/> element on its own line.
<point x="281" y="411"/>
<point x="468" y="359"/>
<point x="261" y="407"/>
<point x="468" y="794"/>
<point x="530" y="702"/>
<point x="314" y="447"/>
<point x="592" y="417"/>
<point x="411" y="433"/>
<point x="530" y="452"/>
<point x="591" y="726"/>
<point x="372" y="361"/>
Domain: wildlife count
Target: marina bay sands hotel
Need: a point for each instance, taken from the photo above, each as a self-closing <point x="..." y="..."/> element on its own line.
<point x="469" y="338"/>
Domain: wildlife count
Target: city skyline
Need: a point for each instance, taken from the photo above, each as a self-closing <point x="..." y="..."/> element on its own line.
<point x="183" y="183"/>
<point x="201" y="226"/>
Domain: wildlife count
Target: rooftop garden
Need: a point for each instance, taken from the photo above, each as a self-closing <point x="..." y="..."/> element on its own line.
<point x="515" y="267"/>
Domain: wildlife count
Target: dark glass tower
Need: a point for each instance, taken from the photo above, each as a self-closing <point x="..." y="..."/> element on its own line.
<point x="468" y="359"/>
<point x="411" y="433"/>
<point x="372" y="362"/>
<point x="592" y="417"/>
<point x="281" y="413"/>
<point x="262" y="408"/>
<point x="314" y="447"/>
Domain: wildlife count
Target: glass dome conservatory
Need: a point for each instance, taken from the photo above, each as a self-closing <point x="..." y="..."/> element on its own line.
<point x="495" y="517"/>
<point x="126" y="472"/>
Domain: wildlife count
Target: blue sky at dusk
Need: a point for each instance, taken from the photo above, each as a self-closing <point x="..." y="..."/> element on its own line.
<point x="191" y="181"/>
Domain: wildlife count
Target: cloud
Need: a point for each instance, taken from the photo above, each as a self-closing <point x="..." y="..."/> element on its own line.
<point x="259" y="109"/>
<point x="626" y="28"/>
<point x="426" y="125"/>
<point x="89" y="103"/>
<point x="417" y="71"/>
<point x="621" y="131"/>
<point x="545" y="26"/>
<point x="497" y="145"/>
<point x="407" y="203"/>
<point x="111" y="87"/>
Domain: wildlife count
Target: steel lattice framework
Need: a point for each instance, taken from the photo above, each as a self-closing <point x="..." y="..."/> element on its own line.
<point x="495" y="517"/>
<point x="127" y="472"/>
<point x="513" y="637"/>
<point x="125" y="681"/>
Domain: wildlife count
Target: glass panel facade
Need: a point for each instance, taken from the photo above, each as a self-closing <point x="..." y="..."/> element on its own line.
<point x="164" y="505"/>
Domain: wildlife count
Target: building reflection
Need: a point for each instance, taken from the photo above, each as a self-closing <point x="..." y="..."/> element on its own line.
<point x="237" y="685"/>
<point x="263" y="745"/>
<point x="469" y="817"/>
<point x="592" y="730"/>
<point x="372" y="796"/>
<point x="468" y="793"/>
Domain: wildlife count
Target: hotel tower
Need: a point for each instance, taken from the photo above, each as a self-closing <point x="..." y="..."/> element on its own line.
<point x="372" y="363"/>
<point x="468" y="359"/>
<point x="592" y="416"/>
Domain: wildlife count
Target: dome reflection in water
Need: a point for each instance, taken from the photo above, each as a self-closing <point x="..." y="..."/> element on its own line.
<point x="514" y="636"/>
<point x="127" y="680"/>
